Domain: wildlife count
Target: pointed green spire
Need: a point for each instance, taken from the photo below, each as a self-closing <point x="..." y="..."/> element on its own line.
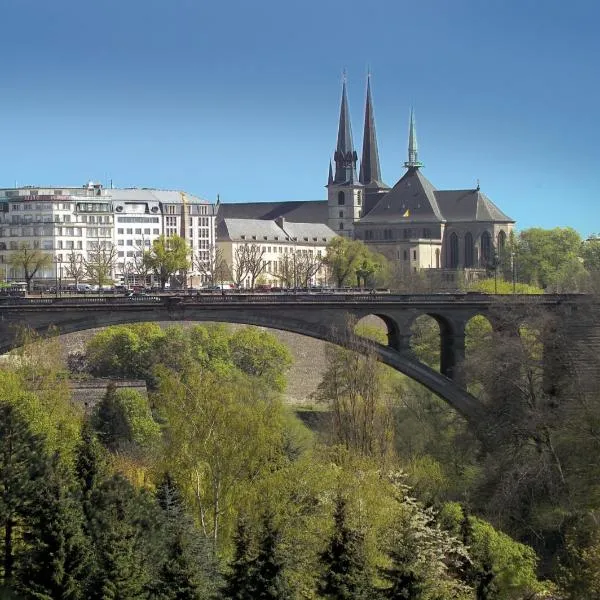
<point x="413" y="149"/>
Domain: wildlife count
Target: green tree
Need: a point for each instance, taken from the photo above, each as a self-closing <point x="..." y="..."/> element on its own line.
<point x="238" y="580"/>
<point x="126" y="541"/>
<point x="29" y="261"/>
<point x="343" y="257"/>
<point x="123" y="419"/>
<point x="220" y="433"/>
<point x="187" y="572"/>
<point x="345" y="575"/>
<point x="55" y="562"/>
<point x="267" y="575"/>
<point x="168" y="256"/>
<point x="549" y="258"/>
<point x="23" y="468"/>
<point x="260" y="354"/>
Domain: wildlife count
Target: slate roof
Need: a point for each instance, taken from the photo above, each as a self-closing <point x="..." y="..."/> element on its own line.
<point x="297" y="211"/>
<point x="299" y="231"/>
<point x="411" y="200"/>
<point x="469" y="205"/>
<point x="151" y="195"/>
<point x="261" y="230"/>
<point x="249" y="229"/>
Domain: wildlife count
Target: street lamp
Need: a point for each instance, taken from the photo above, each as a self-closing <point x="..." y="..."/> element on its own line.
<point x="512" y="270"/>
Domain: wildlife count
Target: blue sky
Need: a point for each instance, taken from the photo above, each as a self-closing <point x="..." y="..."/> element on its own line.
<point x="241" y="98"/>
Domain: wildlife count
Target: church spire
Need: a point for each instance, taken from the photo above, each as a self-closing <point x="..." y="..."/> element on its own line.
<point x="345" y="157"/>
<point x="413" y="149"/>
<point x="330" y="178"/>
<point x="370" y="171"/>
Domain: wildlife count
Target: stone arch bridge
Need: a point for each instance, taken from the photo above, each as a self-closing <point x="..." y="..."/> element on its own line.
<point x="321" y="316"/>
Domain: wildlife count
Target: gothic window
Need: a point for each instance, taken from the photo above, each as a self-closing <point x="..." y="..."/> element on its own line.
<point x="453" y="251"/>
<point x="486" y="249"/>
<point x="468" y="250"/>
<point x="341" y="226"/>
<point x="437" y="258"/>
<point x="341" y="214"/>
<point x="501" y="241"/>
<point x="341" y="199"/>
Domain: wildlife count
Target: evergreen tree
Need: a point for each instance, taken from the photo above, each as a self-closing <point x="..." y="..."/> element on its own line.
<point x="485" y="579"/>
<point x="110" y="421"/>
<point x="406" y="583"/>
<point x="187" y="571"/>
<point x="23" y="465"/>
<point x="267" y="577"/>
<point x="55" y="562"/>
<point x="126" y="537"/>
<point x="89" y="462"/>
<point x="238" y="582"/>
<point x="345" y="569"/>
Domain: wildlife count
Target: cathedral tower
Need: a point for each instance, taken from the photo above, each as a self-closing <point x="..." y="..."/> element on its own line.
<point x="370" y="171"/>
<point x="344" y="190"/>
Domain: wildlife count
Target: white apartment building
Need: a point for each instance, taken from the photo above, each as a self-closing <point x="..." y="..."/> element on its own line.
<point x="70" y="221"/>
<point x="279" y="253"/>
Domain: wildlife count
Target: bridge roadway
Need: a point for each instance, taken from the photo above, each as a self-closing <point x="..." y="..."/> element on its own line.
<point x="322" y="316"/>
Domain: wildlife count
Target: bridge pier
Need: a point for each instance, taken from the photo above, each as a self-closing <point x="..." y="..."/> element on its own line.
<point x="452" y="350"/>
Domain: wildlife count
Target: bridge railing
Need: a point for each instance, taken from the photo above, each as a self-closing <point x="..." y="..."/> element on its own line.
<point x="282" y="298"/>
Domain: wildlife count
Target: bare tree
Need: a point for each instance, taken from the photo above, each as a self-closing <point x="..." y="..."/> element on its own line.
<point x="75" y="267"/>
<point x="100" y="262"/>
<point x="307" y="265"/>
<point x="211" y="264"/>
<point x="355" y="390"/>
<point x="286" y="272"/>
<point x="255" y="262"/>
<point x="30" y="261"/>
<point x="128" y="271"/>
<point x="298" y="269"/>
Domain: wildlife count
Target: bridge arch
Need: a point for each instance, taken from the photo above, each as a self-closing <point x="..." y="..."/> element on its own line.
<point x="325" y="326"/>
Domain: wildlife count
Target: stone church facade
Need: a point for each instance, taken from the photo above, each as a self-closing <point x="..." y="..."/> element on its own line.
<point x="415" y="225"/>
<point x="412" y="223"/>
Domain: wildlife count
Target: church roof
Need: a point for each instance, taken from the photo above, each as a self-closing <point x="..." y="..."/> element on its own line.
<point x="412" y="199"/>
<point x="297" y="211"/>
<point x="469" y="205"/>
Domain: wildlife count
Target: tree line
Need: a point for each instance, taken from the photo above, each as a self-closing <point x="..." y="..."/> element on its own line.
<point x="211" y="488"/>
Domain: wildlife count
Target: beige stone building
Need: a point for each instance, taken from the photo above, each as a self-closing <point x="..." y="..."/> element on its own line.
<point x="274" y="253"/>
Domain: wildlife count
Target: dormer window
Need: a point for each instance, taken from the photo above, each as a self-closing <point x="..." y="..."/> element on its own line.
<point x="253" y="237"/>
<point x="243" y="237"/>
<point x="264" y="237"/>
<point x="306" y="239"/>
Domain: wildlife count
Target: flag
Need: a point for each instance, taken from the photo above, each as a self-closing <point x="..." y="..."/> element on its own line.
<point x="407" y="213"/>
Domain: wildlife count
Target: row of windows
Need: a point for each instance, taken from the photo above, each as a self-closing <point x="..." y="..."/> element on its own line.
<point x="138" y="231"/>
<point x="138" y="219"/>
<point x="390" y="234"/>
<point x="486" y="257"/>
<point x="138" y="243"/>
<point x="94" y="207"/>
<point x="294" y="239"/>
<point x="287" y="250"/>
<point x="28" y="206"/>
